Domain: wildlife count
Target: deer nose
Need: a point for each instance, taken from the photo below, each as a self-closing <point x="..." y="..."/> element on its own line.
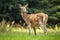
<point x="24" y="10"/>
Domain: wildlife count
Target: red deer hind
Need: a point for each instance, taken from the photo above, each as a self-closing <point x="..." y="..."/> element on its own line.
<point x="33" y="20"/>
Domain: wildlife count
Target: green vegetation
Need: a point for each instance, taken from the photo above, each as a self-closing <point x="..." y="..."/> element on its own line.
<point x="9" y="9"/>
<point x="25" y="36"/>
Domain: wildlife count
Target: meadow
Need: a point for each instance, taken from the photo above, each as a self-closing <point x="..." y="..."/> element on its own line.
<point x="13" y="35"/>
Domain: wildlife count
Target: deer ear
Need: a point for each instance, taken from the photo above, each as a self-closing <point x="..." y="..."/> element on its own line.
<point x="20" y="5"/>
<point x="26" y="5"/>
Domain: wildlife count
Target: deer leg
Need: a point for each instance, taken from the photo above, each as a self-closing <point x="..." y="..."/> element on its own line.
<point x="44" y="29"/>
<point x="29" y="28"/>
<point x="34" y="30"/>
<point x="43" y="26"/>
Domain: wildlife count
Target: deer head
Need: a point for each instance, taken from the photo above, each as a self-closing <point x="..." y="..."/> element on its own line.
<point x="23" y="8"/>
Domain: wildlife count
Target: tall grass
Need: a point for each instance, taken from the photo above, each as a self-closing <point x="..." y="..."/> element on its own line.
<point x="4" y="27"/>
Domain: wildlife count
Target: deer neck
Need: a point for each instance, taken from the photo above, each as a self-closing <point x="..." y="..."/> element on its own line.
<point x="24" y="15"/>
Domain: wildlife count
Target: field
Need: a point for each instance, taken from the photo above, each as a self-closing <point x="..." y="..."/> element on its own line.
<point x="51" y="35"/>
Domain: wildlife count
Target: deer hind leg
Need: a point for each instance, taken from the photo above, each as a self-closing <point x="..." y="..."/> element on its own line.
<point x="29" y="28"/>
<point x="43" y="27"/>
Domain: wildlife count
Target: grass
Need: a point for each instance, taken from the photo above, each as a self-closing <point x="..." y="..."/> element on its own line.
<point x="22" y="34"/>
<point x="25" y="36"/>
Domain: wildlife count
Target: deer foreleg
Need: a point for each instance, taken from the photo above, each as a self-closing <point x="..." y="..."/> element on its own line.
<point x="29" y="28"/>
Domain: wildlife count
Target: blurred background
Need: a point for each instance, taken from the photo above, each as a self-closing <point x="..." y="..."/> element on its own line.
<point x="10" y="13"/>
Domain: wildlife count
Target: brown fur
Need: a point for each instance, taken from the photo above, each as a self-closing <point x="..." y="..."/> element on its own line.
<point x="32" y="20"/>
